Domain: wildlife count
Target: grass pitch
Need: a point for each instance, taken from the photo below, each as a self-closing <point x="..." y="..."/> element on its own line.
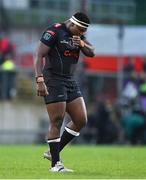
<point x="89" y="162"/>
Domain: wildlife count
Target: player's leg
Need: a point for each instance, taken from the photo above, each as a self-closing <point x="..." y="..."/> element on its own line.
<point x="56" y="107"/>
<point x="78" y="113"/>
<point x="56" y="112"/>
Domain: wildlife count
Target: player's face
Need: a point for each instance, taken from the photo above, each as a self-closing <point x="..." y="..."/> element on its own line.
<point x="77" y="30"/>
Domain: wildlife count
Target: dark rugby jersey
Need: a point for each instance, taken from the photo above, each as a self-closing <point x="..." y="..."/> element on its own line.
<point x="61" y="60"/>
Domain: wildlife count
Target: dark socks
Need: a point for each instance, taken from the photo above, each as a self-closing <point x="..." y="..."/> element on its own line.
<point x="56" y="145"/>
<point x="54" y="150"/>
<point x="66" y="137"/>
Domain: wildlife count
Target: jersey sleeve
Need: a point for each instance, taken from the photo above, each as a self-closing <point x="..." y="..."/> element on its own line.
<point x="49" y="37"/>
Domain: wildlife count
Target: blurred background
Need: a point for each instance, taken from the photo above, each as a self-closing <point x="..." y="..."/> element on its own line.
<point x="113" y="82"/>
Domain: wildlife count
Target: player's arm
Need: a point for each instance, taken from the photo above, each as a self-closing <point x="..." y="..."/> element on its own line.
<point x="47" y="41"/>
<point x="41" y="52"/>
<point x="86" y="48"/>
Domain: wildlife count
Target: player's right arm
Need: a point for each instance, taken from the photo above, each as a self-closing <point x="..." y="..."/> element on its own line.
<point x="47" y="41"/>
<point x="42" y="51"/>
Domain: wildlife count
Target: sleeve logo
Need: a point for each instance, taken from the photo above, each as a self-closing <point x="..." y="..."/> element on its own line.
<point x="51" y="32"/>
<point x="47" y="36"/>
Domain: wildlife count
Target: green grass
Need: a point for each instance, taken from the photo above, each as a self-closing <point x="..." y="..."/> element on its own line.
<point x="89" y="162"/>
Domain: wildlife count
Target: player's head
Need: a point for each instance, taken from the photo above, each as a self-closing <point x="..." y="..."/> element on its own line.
<point x="80" y="23"/>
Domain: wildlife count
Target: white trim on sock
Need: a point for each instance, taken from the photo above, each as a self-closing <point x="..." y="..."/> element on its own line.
<point x="74" y="133"/>
<point x="53" y="140"/>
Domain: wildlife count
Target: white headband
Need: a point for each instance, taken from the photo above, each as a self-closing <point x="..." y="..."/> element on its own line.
<point x="79" y="23"/>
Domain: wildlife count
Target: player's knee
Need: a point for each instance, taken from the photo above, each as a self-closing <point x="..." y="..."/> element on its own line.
<point x="56" y="121"/>
<point x="58" y="117"/>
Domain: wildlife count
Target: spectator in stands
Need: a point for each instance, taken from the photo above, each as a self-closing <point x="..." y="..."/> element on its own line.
<point x="144" y="65"/>
<point x="130" y="84"/>
<point x="130" y="88"/>
<point x="8" y="75"/>
<point x="6" y="47"/>
<point x="129" y="67"/>
<point x="142" y="90"/>
<point x="134" y="125"/>
<point x="105" y="122"/>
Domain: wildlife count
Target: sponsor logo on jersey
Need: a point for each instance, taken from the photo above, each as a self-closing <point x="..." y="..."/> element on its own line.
<point x="69" y="53"/>
<point x="64" y="42"/>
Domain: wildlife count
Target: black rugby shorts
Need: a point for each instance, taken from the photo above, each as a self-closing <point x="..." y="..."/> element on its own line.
<point x="62" y="90"/>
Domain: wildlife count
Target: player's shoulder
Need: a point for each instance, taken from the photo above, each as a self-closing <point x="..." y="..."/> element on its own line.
<point x="51" y="34"/>
<point x="55" y="27"/>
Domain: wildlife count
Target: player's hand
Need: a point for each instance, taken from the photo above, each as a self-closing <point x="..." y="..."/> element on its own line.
<point x="42" y="89"/>
<point x="76" y="41"/>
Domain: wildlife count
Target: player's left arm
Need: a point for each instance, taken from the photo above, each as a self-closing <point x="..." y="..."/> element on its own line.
<point x="86" y="48"/>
